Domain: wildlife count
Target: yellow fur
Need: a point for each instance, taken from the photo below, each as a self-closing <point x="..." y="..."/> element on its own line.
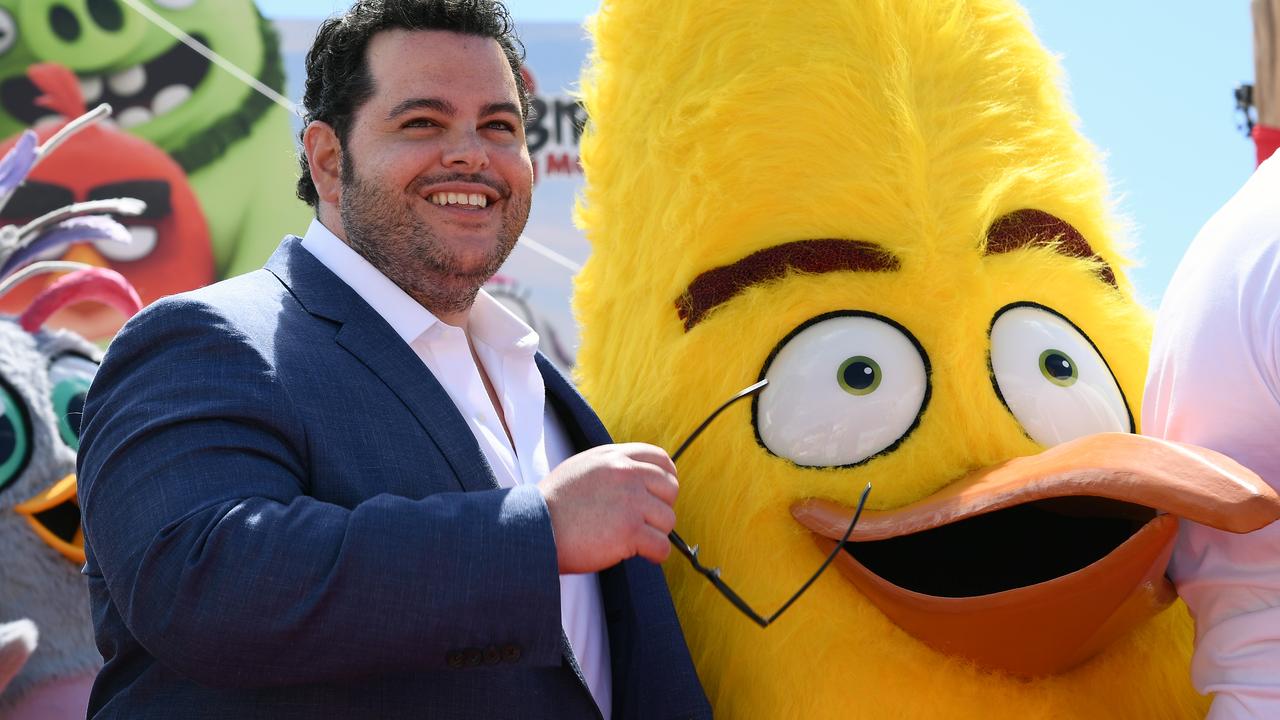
<point x="723" y="127"/>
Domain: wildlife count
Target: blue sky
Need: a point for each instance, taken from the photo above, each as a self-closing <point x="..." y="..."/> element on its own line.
<point x="1151" y="82"/>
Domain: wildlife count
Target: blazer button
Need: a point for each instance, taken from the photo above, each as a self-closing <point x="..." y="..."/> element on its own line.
<point x="473" y="657"/>
<point x="492" y="656"/>
<point x="454" y="659"/>
<point x="511" y="653"/>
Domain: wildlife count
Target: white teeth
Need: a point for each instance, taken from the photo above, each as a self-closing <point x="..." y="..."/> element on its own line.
<point x="128" y="82"/>
<point x="91" y="88"/>
<point x="448" y="198"/>
<point x="134" y="116"/>
<point x="170" y="98"/>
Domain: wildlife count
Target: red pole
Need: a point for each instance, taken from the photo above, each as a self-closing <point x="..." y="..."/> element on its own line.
<point x="1266" y="89"/>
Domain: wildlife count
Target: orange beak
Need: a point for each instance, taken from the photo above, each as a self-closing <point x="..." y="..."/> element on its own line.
<point x="54" y="515"/>
<point x="84" y="253"/>
<point x="1085" y="523"/>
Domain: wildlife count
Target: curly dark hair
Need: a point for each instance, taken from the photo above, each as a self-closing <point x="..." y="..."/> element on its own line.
<point x="338" y="79"/>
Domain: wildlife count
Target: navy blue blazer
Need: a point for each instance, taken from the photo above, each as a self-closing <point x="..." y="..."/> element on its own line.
<point x="285" y="516"/>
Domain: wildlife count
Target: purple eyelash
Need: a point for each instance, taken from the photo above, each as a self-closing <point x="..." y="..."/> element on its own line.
<point x="17" y="163"/>
<point x="88" y="228"/>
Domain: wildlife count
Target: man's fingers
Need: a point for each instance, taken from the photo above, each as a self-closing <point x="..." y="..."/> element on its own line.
<point x="652" y="545"/>
<point x="651" y="454"/>
<point x="659" y="516"/>
<point x="662" y="485"/>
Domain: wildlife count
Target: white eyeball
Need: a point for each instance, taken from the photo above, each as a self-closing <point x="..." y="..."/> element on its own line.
<point x="1052" y="378"/>
<point x="8" y="31"/>
<point x="143" y="242"/>
<point x="843" y="387"/>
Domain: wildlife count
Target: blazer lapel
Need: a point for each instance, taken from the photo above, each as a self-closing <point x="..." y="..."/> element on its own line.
<point x="368" y="337"/>
<point x="586" y="431"/>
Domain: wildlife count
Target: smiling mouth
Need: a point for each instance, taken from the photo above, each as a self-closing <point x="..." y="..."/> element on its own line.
<point x="466" y="201"/>
<point x="1035" y="565"/>
<point x="137" y="94"/>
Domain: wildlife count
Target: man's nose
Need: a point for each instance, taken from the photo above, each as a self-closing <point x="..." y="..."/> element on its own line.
<point x="465" y="149"/>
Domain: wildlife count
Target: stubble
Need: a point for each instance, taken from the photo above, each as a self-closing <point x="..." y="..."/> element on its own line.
<point x="387" y="231"/>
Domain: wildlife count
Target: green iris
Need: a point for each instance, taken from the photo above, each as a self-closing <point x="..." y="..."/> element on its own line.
<point x="68" y="403"/>
<point x="15" y="436"/>
<point x="859" y="375"/>
<point x="1058" y="368"/>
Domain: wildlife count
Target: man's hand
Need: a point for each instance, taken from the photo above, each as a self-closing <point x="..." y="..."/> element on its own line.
<point x="611" y="503"/>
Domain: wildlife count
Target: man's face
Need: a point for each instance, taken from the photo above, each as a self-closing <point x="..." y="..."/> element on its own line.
<point x="436" y="176"/>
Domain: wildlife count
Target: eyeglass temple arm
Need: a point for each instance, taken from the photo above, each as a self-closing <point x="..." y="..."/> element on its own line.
<point x="745" y="392"/>
<point x="713" y="573"/>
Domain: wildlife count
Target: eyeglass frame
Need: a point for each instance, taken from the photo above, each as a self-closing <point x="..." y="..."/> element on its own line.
<point x="712" y="574"/>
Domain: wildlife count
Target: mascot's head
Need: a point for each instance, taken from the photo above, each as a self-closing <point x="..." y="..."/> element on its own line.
<point x="170" y="250"/>
<point x="884" y="209"/>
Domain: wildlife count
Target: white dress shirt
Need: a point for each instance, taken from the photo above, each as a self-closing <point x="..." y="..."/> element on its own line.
<point x="506" y="347"/>
<point x="1214" y="381"/>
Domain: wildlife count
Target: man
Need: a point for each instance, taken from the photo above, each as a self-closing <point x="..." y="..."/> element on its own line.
<point x="322" y="489"/>
<point x="1214" y="381"/>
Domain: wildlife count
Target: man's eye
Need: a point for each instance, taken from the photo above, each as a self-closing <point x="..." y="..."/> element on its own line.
<point x="501" y="125"/>
<point x="418" y="123"/>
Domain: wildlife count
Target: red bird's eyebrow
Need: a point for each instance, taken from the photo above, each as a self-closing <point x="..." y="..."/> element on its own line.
<point x="717" y="286"/>
<point x="1037" y="228"/>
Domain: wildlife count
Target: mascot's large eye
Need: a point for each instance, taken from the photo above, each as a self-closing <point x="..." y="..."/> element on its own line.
<point x="70" y="376"/>
<point x="142" y="242"/>
<point x="8" y="32"/>
<point x="15" y="435"/>
<point x="843" y="387"/>
<point x="1052" y="378"/>
<point x="175" y="4"/>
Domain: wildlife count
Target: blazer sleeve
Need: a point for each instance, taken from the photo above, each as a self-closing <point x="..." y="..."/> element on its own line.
<point x="193" y="488"/>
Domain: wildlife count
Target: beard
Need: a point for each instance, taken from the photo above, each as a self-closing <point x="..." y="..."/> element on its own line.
<point x="385" y="229"/>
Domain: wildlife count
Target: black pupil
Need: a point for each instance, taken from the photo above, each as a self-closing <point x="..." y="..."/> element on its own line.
<point x="859" y="376"/>
<point x="1058" y="366"/>
<point x="8" y="436"/>
<point x="75" y="412"/>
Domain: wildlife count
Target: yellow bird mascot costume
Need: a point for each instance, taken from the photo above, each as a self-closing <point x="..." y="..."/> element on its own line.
<point x="883" y="208"/>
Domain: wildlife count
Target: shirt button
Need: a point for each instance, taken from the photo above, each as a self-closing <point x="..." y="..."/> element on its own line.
<point x="473" y="657"/>
<point x="511" y="653"/>
<point x="453" y="659"/>
<point x="492" y="656"/>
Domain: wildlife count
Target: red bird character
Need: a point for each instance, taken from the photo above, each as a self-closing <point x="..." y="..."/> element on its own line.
<point x="170" y="251"/>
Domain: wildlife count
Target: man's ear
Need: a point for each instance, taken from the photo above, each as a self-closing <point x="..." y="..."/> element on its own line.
<point x="324" y="156"/>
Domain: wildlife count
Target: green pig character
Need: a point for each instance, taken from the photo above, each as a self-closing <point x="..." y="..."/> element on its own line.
<point x="234" y="143"/>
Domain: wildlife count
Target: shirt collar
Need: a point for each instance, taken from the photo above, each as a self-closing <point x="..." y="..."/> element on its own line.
<point x="489" y="321"/>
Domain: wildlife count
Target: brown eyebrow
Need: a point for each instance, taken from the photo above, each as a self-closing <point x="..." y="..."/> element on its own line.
<point x="441" y="106"/>
<point x="445" y="107"/>
<point x="1037" y="228"/>
<point x="499" y="108"/>
<point x="718" y="286"/>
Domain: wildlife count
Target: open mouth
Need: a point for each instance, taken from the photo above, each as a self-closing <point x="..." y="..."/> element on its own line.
<point x="137" y="94"/>
<point x="1004" y="550"/>
<point x="54" y="516"/>
<point x="1033" y="566"/>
